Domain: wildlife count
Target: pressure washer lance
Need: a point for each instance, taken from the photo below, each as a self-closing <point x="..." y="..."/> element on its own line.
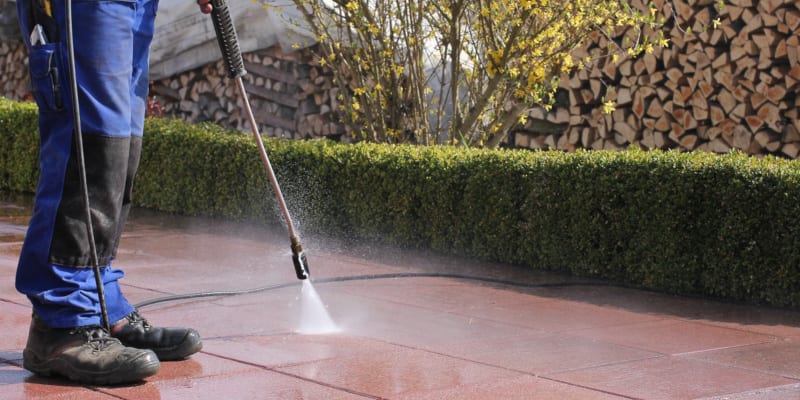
<point x="78" y="137"/>
<point x="229" y="45"/>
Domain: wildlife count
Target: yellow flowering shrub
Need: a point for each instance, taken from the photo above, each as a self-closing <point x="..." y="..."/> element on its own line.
<point x="459" y="71"/>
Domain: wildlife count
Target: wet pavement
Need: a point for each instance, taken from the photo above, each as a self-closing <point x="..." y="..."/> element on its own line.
<point x="405" y="333"/>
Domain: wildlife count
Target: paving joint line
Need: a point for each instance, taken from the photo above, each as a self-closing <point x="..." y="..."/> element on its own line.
<point x="300" y="377"/>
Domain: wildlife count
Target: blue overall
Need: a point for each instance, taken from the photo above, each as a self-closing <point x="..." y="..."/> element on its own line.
<point x="112" y="40"/>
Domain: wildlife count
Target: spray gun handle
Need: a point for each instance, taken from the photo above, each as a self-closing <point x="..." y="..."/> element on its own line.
<point x="228" y="41"/>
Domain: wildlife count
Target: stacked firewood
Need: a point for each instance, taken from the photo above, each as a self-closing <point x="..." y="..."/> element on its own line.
<point x="14" y="81"/>
<point x="289" y="97"/>
<point x="729" y="79"/>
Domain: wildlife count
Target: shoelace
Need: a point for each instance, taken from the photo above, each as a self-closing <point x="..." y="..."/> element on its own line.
<point x="96" y="336"/>
<point x="135" y="319"/>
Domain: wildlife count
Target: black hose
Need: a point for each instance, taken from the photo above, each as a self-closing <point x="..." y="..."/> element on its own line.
<point x="365" y="277"/>
<point x="80" y="158"/>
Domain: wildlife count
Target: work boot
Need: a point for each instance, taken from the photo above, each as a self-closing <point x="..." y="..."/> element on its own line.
<point x="168" y="343"/>
<point x="85" y="354"/>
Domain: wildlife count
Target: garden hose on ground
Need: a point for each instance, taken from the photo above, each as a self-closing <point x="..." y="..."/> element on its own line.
<point x="366" y="277"/>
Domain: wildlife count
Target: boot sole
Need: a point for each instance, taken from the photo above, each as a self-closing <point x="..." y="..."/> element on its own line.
<point x="190" y="344"/>
<point x="60" y="367"/>
<point x="180" y="352"/>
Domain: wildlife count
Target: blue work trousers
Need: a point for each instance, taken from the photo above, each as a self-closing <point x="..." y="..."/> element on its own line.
<point x="112" y="40"/>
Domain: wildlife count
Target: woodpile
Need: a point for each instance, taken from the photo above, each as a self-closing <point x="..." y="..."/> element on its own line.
<point x="729" y="79"/>
<point x="289" y="97"/>
<point x="14" y="81"/>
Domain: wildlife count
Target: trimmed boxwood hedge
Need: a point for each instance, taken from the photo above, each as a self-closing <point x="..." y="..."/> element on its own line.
<point x="686" y="223"/>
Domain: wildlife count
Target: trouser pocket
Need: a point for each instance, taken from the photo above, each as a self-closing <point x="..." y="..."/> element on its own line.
<point x="45" y="79"/>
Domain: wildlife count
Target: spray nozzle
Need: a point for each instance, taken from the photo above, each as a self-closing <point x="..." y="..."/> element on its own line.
<point x="299" y="259"/>
<point x="300" y="265"/>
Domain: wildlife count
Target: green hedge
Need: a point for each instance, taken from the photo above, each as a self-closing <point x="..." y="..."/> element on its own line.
<point x="19" y="146"/>
<point x="687" y="223"/>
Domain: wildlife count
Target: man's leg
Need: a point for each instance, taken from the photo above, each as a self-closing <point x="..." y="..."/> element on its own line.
<point x="65" y="337"/>
<point x="55" y="256"/>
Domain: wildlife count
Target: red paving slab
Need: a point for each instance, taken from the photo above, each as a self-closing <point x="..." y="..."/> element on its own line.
<point x="411" y="338"/>
<point x="671" y="378"/>
<point x="772" y="393"/>
<point x="671" y="336"/>
<point x="522" y="388"/>
<point x="780" y="358"/>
